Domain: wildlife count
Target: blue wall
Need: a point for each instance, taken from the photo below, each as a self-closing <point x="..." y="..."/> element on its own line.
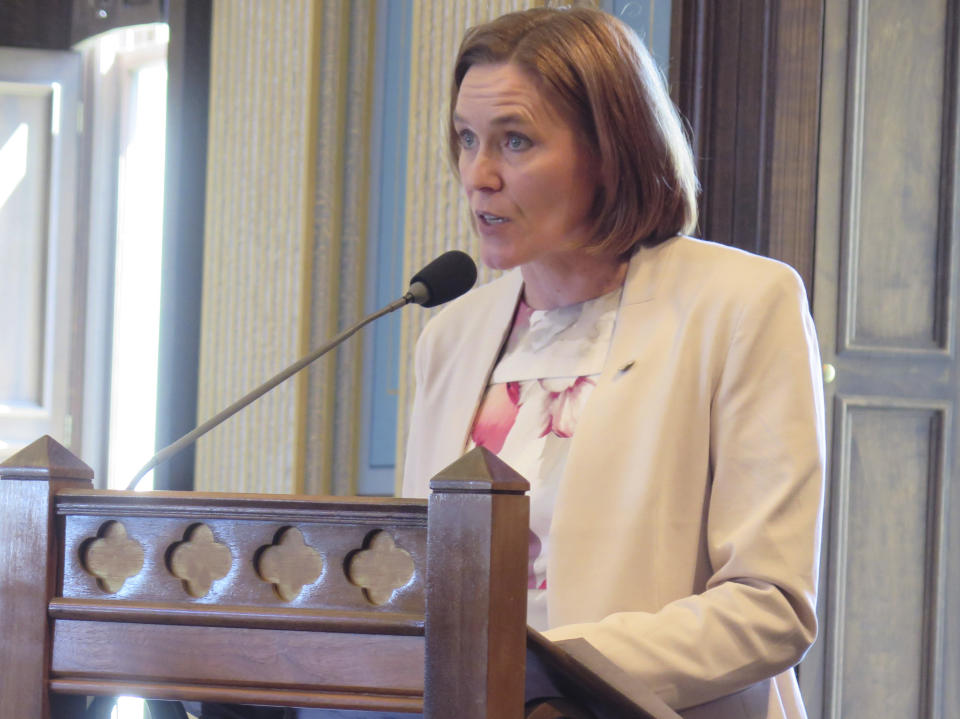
<point x="385" y="258"/>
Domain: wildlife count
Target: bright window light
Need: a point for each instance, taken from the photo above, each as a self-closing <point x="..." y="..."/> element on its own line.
<point x="13" y="162"/>
<point x="136" y="318"/>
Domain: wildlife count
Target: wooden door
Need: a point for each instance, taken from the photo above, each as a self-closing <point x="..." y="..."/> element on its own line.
<point x="885" y="304"/>
<point x="39" y="369"/>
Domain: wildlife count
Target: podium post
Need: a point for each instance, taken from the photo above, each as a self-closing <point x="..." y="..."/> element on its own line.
<point x="477" y="539"/>
<point x="28" y="568"/>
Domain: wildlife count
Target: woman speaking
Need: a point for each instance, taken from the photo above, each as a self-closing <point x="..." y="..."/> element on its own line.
<point x="660" y="393"/>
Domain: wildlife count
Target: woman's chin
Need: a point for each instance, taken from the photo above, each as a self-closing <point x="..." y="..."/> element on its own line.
<point x="497" y="260"/>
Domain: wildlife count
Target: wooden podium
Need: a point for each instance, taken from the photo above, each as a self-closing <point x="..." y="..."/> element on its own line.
<point x="384" y="605"/>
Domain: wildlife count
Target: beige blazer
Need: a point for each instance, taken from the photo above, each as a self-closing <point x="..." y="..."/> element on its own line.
<point x="686" y="535"/>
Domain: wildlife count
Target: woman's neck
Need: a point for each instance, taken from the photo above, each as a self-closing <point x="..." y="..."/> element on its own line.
<point x="571" y="279"/>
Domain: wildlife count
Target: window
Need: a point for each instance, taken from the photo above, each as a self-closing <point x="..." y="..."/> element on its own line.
<point x="127" y="86"/>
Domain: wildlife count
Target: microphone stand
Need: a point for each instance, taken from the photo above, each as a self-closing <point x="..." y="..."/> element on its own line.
<point x="414" y="295"/>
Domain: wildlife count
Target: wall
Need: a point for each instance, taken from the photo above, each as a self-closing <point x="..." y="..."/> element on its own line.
<point x="287" y="227"/>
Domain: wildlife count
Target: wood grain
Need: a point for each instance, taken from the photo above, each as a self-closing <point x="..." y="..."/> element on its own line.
<point x="218" y="656"/>
<point x="380" y="568"/>
<point x="746" y="78"/>
<point x="476" y="598"/>
<point x="199" y="560"/>
<point x="29" y="559"/>
<point x="289" y="564"/>
<point x="369" y="621"/>
<point x="244" y="524"/>
<point x="112" y="557"/>
<point x="241" y="642"/>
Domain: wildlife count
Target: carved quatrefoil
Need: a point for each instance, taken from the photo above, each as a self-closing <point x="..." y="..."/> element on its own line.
<point x="199" y="560"/>
<point x="289" y="564"/>
<point x="112" y="557"/>
<point x="380" y="568"/>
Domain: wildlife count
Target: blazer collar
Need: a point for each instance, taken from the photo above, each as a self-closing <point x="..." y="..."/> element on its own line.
<point x="491" y="326"/>
<point x="495" y="323"/>
<point x="643" y="277"/>
<point x="631" y="334"/>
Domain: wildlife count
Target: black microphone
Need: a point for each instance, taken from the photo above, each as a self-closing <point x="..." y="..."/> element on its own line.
<point x="446" y="278"/>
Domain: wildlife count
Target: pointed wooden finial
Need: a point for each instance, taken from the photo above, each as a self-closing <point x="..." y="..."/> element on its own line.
<point x="479" y="470"/>
<point x="45" y="459"/>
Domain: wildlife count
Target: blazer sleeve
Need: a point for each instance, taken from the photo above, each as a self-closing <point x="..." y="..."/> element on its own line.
<point x="415" y="478"/>
<point x="756" y="616"/>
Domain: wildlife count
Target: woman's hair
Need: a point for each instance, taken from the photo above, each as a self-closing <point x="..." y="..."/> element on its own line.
<point x="597" y="73"/>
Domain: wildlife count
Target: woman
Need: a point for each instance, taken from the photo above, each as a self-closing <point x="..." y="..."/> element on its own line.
<point x="660" y="393"/>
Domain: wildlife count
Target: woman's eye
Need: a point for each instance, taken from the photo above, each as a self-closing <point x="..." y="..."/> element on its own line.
<point x="518" y="142"/>
<point x="467" y="139"/>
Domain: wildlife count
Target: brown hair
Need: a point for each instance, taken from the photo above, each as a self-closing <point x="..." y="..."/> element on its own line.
<point x="603" y="80"/>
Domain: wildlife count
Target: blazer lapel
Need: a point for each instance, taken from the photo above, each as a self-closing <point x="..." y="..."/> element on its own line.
<point x="640" y="288"/>
<point x="488" y="331"/>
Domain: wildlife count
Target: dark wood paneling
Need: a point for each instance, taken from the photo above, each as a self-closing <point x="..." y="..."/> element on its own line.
<point x="28" y="566"/>
<point x="263" y="653"/>
<point x="792" y="152"/>
<point x="336" y="531"/>
<point x="242" y="585"/>
<point x="746" y="75"/>
<point x="41" y="24"/>
<point x="354" y="622"/>
<point x="481" y="529"/>
<point x="23" y="598"/>
<point x="235" y="657"/>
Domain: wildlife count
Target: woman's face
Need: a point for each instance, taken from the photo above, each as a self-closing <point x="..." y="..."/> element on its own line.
<point x="529" y="179"/>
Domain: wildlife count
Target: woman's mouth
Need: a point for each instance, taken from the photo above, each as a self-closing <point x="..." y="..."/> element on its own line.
<point x="488" y="218"/>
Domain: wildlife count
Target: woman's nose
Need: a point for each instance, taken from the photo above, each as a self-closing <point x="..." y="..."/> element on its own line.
<point x="480" y="171"/>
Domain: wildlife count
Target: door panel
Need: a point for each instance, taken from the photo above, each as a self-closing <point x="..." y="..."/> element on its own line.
<point x="886" y="310"/>
<point x="25" y="145"/>
<point x="38" y="144"/>
<point x="886" y="507"/>
<point x="893" y="143"/>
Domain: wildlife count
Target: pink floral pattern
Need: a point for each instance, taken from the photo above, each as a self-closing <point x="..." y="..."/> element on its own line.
<point x="497" y="414"/>
<point x="562" y="408"/>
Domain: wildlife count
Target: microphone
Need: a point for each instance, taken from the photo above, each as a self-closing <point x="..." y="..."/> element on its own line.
<point x="445" y="278"/>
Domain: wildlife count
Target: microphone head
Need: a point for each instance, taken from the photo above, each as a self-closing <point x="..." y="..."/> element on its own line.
<point x="444" y="279"/>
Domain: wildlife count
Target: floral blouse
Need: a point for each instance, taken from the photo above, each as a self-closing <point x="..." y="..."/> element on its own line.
<point x="530" y="410"/>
